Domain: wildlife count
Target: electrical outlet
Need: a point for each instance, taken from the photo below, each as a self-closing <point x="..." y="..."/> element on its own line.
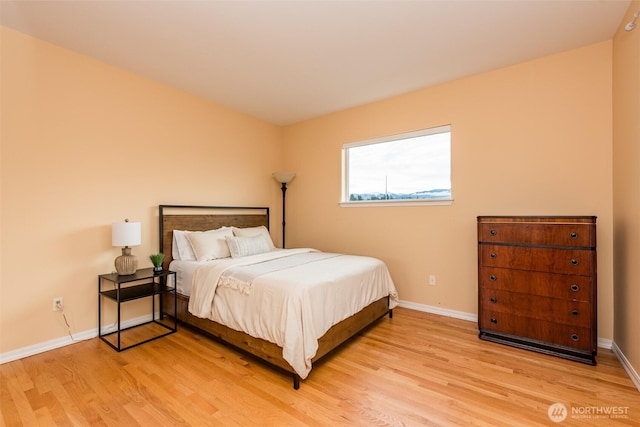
<point x="432" y="280"/>
<point x="58" y="304"/>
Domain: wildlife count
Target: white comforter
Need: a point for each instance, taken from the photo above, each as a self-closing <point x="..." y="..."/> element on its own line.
<point x="295" y="305"/>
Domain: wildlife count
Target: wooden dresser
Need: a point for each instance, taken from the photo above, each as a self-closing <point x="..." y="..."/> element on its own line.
<point x="537" y="284"/>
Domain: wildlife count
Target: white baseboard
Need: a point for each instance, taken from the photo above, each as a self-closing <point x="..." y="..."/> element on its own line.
<point x="439" y="310"/>
<point x="605" y="343"/>
<point x="20" y="353"/>
<point x="635" y="378"/>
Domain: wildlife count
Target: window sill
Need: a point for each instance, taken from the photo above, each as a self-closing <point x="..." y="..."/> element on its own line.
<point x="371" y="203"/>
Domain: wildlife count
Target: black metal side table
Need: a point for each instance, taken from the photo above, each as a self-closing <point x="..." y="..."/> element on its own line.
<point x="143" y="283"/>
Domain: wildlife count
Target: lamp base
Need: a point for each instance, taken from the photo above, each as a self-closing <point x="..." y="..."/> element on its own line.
<point x="126" y="263"/>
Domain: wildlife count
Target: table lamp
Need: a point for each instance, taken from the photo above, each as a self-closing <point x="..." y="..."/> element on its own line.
<point x="126" y="234"/>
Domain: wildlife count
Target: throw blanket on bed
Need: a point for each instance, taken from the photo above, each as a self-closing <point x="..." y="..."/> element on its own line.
<point x="294" y="303"/>
<point x="241" y="277"/>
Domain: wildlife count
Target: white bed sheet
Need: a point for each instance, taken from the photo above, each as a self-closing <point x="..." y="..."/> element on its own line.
<point x="294" y="307"/>
<point x="184" y="276"/>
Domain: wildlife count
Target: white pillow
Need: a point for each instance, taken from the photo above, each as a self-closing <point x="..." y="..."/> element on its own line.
<point x="209" y="245"/>
<point x="181" y="248"/>
<point x="254" y="231"/>
<point x="244" y="246"/>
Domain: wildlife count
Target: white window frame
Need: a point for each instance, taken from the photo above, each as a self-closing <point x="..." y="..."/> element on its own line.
<point x="344" y="199"/>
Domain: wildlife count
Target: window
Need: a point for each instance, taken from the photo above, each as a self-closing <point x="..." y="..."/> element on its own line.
<point x="410" y="167"/>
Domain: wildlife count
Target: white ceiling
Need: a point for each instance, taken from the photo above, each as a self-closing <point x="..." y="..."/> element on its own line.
<point x="287" y="61"/>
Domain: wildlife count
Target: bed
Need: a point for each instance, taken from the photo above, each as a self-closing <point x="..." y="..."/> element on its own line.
<point x="231" y="298"/>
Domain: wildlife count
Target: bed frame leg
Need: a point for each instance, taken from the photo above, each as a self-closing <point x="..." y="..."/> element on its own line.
<point x="296" y="381"/>
<point x="391" y="313"/>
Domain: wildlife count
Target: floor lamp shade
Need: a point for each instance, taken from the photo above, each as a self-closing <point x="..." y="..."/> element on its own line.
<point x="126" y="234"/>
<point x="284" y="177"/>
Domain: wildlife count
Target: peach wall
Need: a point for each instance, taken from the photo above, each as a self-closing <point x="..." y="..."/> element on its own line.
<point x="85" y="144"/>
<point x="529" y="139"/>
<point x="626" y="188"/>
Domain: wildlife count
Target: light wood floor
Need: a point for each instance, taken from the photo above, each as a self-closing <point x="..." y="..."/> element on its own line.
<point x="415" y="369"/>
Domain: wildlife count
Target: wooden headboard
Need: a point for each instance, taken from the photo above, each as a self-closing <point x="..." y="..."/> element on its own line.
<point x="202" y="218"/>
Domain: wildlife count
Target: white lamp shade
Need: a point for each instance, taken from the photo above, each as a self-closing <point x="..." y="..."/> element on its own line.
<point x="284" y="177"/>
<point x="126" y="234"/>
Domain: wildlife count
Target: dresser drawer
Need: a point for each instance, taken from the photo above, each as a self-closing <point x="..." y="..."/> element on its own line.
<point x="559" y="334"/>
<point x="576" y="313"/>
<point x="552" y="260"/>
<point x="563" y="286"/>
<point x="579" y="235"/>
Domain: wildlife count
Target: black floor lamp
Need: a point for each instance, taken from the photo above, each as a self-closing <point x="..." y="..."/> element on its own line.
<point x="283" y="178"/>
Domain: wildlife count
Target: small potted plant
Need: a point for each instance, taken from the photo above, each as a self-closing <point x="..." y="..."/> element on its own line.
<point x="156" y="260"/>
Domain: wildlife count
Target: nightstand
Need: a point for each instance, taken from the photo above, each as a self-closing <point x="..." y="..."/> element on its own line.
<point x="143" y="283"/>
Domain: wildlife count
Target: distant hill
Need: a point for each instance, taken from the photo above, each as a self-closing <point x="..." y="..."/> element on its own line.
<point x="437" y="193"/>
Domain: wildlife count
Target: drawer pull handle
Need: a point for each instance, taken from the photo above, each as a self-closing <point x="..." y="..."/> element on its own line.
<point x="575" y="313"/>
<point x="493" y="278"/>
<point x="493" y="255"/>
<point x="494" y="320"/>
<point x="575" y="262"/>
<point x="493" y="232"/>
<point x="493" y="300"/>
<point x="575" y="337"/>
<point x="573" y="235"/>
<point x="575" y="288"/>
